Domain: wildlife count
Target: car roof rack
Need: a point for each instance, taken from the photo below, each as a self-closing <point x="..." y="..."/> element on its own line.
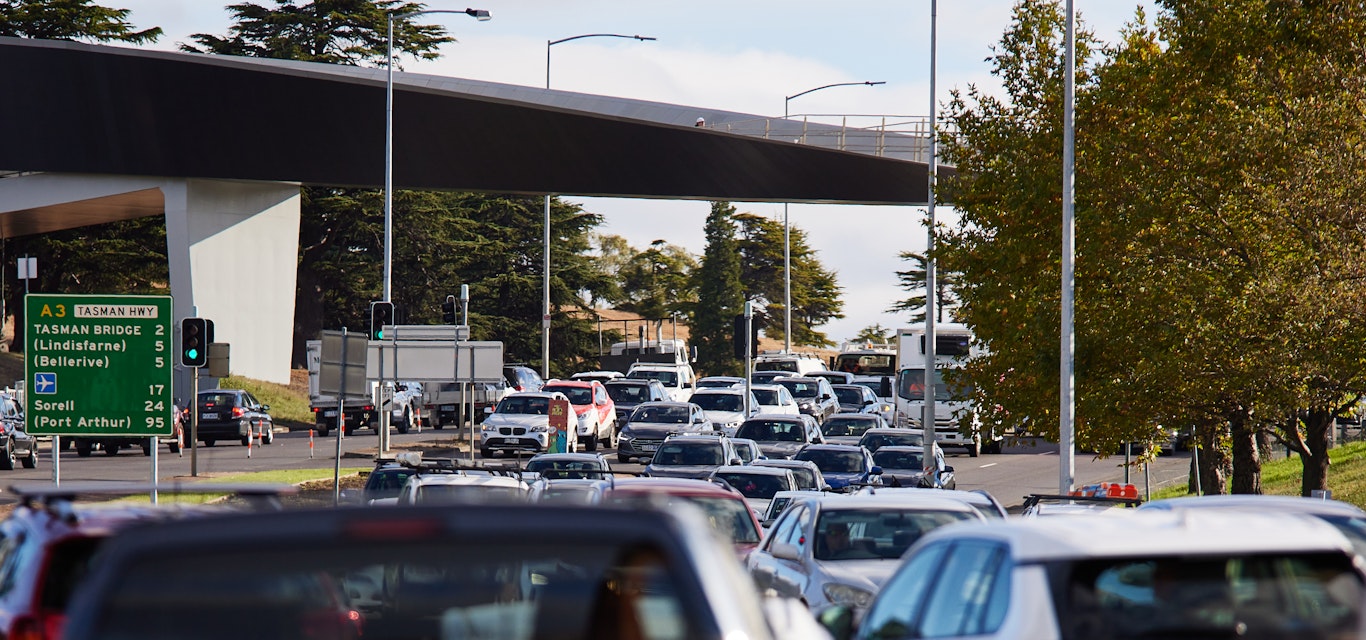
<point x="1035" y="498"/>
<point x="260" y="496"/>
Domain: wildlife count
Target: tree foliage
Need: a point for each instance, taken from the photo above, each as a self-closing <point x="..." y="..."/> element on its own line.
<point x="913" y="281"/>
<point x="70" y="20"/>
<point x="815" y="289"/>
<point x="720" y="293"/>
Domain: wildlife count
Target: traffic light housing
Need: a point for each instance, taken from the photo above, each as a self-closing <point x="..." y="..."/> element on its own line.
<point x="738" y="337"/>
<point x="448" y="310"/>
<point x="195" y="336"/>
<point x="381" y="314"/>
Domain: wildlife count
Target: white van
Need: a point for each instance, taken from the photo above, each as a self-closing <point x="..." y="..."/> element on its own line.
<point x="679" y="379"/>
<point x="798" y="363"/>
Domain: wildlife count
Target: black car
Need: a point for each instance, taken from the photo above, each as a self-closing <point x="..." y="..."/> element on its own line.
<point x="233" y="414"/>
<point x="814" y="396"/>
<point x="628" y="394"/>
<point x="522" y="378"/>
<point x="20" y="447"/>
<point x="905" y="467"/>
<point x="874" y="439"/>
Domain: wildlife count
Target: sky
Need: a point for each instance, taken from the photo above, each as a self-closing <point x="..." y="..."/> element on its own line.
<point x="744" y="56"/>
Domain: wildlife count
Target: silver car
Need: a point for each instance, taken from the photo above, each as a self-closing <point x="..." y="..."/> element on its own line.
<point x="838" y="550"/>
<point x="651" y="422"/>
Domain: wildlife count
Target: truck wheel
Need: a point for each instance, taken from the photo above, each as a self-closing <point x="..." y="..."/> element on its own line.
<point x="31" y="460"/>
<point x="974" y="449"/>
<point x="174" y="446"/>
<point x="146" y="449"/>
<point x="83" y="448"/>
<point x="993" y="447"/>
<point x="110" y="449"/>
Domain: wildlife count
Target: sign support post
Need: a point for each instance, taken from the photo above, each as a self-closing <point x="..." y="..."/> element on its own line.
<point x="194" y="422"/>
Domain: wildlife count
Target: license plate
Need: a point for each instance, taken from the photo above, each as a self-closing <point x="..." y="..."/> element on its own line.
<point x="208" y="416"/>
<point x="327" y="414"/>
<point x="448" y="407"/>
<point x="649" y="447"/>
<point x="493" y="441"/>
<point x="397" y="412"/>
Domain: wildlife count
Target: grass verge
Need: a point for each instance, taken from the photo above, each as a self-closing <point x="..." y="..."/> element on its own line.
<point x="277" y="477"/>
<point x="1346" y="476"/>
<point x="288" y="407"/>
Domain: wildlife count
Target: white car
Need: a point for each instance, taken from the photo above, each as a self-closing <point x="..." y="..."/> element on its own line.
<point x="725" y="407"/>
<point x="1196" y="574"/>
<point x="449" y="488"/>
<point x="775" y="398"/>
<point x="678" y="379"/>
<point x="713" y="382"/>
<point x="520" y="423"/>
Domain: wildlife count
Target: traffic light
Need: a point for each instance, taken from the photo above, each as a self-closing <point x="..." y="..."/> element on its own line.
<point x="195" y="336"/>
<point x="381" y="314"/>
<point x="448" y="310"/>
<point x="738" y="337"/>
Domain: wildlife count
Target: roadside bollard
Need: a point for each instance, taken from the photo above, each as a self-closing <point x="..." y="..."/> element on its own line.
<point x="250" y="430"/>
<point x="310" y="443"/>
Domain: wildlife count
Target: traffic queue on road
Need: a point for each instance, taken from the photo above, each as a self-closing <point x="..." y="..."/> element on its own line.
<point x="777" y="531"/>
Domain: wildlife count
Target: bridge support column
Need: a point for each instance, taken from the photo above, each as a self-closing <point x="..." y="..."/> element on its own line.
<point x="232" y="249"/>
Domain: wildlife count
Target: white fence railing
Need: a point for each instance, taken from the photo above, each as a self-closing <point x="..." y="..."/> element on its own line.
<point x="892" y="136"/>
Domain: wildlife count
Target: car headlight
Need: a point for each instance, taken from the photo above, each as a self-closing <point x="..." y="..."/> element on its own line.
<point x="847" y="595"/>
<point x="583" y="417"/>
<point x="540" y="428"/>
<point x="804" y="405"/>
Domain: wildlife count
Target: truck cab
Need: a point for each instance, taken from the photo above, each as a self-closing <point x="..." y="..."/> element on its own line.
<point x="954" y="346"/>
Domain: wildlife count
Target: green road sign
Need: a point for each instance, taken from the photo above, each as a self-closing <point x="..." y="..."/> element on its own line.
<point x="98" y="365"/>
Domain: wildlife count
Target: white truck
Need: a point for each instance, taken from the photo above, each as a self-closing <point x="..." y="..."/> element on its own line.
<point x="954" y="345"/>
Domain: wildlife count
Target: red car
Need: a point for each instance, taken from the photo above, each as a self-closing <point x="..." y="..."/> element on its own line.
<point x="726" y="508"/>
<point x="597" y="413"/>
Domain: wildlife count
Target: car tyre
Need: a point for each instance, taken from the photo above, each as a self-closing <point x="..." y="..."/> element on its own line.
<point x="83" y="449"/>
<point x="246" y="440"/>
<point x="174" y="446"/>
<point x="487" y="453"/>
<point x="406" y="423"/>
<point x="993" y="447"/>
<point x="974" y="449"/>
<point x="146" y="449"/>
<point x="110" y="449"/>
<point x="209" y="442"/>
<point x="322" y="432"/>
<point x="30" y="461"/>
<point x="7" y="461"/>
<point x="592" y="444"/>
<point x="623" y="459"/>
<point x="268" y="434"/>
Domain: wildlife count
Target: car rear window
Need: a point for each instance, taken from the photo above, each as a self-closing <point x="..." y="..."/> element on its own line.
<point x="754" y="485"/>
<point x="419" y="589"/>
<point x="847" y="426"/>
<point x="831" y="461"/>
<point x="68" y="562"/>
<point x="217" y="399"/>
<point x="1291" y="595"/>
<point x="576" y="395"/>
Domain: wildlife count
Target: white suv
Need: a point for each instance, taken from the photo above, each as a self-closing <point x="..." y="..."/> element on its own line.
<point x="678" y="379"/>
<point x="1198" y="574"/>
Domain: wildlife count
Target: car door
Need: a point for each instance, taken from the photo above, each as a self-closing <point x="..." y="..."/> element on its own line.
<point x="259" y="415"/>
<point x="762" y="565"/>
<point x="790" y="577"/>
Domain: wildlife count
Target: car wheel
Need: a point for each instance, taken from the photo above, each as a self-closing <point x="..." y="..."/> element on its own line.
<point x="110" y="449"/>
<point x="31" y="460"/>
<point x="83" y="449"/>
<point x="245" y="440"/>
<point x="487" y="453"/>
<point x="406" y="423"/>
<point x="592" y="444"/>
<point x="974" y="449"/>
<point x="7" y="461"/>
<point x="322" y="432"/>
<point x="621" y="459"/>
<point x="993" y="447"/>
<point x="146" y="449"/>
<point x="209" y="442"/>
<point x="174" y="447"/>
<point x="268" y="434"/>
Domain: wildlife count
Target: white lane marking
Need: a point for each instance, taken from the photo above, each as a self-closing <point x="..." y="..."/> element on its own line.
<point x="989" y="464"/>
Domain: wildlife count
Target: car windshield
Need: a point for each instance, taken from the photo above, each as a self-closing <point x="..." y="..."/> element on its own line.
<point x="690" y="454"/>
<point x="577" y="395"/>
<point x="910" y="384"/>
<point x="632" y="393"/>
<point x="728" y="516"/>
<point x="898" y="459"/>
<point x="386" y="483"/>
<point x="661" y="414"/>
<point x="832" y="461"/>
<point x="541" y="465"/>
<point x="875" y="441"/>
<point x="754" y="485"/>
<point x="67" y="564"/>
<point x="877" y="364"/>
<point x="858" y="534"/>
<point x="718" y="402"/>
<point x="772" y="431"/>
<point x="849" y="396"/>
<point x="1277" y="595"/>
<point x="766" y="396"/>
<point x="524" y="405"/>
<point x="716" y="383"/>
<point x="465" y="493"/>
<point x="799" y="388"/>
<point x="847" y="426"/>
<point x="207" y="400"/>
<point x="533" y="586"/>
<point x="776" y="365"/>
<point x="667" y="378"/>
<point x="567" y="494"/>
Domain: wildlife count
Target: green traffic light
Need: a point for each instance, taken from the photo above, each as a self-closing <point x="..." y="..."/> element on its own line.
<point x="193" y="354"/>
<point x="380" y="334"/>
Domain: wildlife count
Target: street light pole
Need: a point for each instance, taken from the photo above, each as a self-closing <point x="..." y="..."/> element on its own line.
<point x="787" y="229"/>
<point x="1067" y="403"/>
<point x="927" y="422"/>
<point x="480" y="15"/>
<point x="545" y="289"/>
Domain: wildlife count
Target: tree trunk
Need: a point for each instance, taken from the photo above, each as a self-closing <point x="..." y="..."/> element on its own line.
<point x="1247" y="461"/>
<point x="1318" y="425"/>
<point x="1214" y="458"/>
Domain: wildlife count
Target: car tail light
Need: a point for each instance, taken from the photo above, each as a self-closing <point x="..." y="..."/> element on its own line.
<point x="316" y="409"/>
<point x="237" y="412"/>
<point x="368" y="407"/>
<point x="37" y="627"/>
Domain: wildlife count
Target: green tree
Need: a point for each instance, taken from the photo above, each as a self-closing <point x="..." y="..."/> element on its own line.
<point x="70" y="20"/>
<point x="874" y="333"/>
<point x="720" y="294"/>
<point x="657" y="282"/>
<point x="913" y="280"/>
<point x="815" y="289"/>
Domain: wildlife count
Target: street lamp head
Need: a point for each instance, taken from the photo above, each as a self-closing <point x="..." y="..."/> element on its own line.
<point x="481" y="15"/>
<point x="870" y="83"/>
<point x="643" y="38"/>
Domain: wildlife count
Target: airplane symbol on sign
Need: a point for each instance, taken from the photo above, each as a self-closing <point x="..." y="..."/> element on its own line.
<point x="45" y="383"/>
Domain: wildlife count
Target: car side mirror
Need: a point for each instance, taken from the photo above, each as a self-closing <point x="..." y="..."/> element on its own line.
<point x="265" y="407"/>
<point x="867" y="402"/>
<point x="736" y="462"/>
<point x="875" y="471"/>
<point x="786" y="551"/>
<point x="838" y="621"/>
<point x="825" y="396"/>
<point x="687" y="385"/>
<point x="948" y="469"/>
<point x="488" y="410"/>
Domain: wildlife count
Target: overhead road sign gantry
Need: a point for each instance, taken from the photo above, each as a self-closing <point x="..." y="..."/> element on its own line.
<point x="98" y="364"/>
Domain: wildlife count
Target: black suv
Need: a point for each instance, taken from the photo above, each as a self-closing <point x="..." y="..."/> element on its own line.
<point x="233" y="414"/>
<point x="815" y="397"/>
<point x="522" y="378"/>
